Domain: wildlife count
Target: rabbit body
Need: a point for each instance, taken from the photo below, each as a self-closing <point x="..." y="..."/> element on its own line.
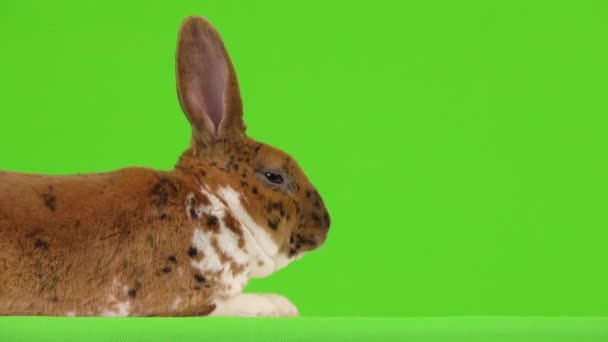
<point x="89" y="245"/>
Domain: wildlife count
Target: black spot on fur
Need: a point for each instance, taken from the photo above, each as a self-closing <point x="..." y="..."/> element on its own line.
<point x="315" y="218"/>
<point x="41" y="244"/>
<point x="203" y="173"/>
<point x="162" y="191"/>
<point x="212" y="221"/>
<point x="199" y="277"/>
<point x="132" y="292"/>
<point x="193" y="214"/>
<point x="49" y="199"/>
<point x="54" y="299"/>
<point x="308" y="194"/>
<point x="305" y="241"/>
<point x="295" y="203"/>
<point x="166" y="269"/>
<point x="163" y="216"/>
<point x="171" y="258"/>
<point x="254" y="190"/>
<point x="192" y="252"/>
<point x="257" y="149"/>
<point x="244" y="184"/>
<point x="277" y="206"/>
<point x="232" y="165"/>
<point x="274" y="224"/>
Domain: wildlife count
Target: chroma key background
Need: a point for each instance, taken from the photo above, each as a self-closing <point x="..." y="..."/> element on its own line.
<point x="460" y="147"/>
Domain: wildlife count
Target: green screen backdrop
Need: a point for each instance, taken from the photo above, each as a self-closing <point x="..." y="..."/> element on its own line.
<point x="460" y="147"/>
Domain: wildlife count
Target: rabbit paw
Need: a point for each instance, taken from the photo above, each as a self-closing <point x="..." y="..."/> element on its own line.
<point x="255" y="305"/>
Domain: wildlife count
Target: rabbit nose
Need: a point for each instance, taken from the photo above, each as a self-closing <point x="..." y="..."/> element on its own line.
<point x="320" y="221"/>
<point x="319" y="215"/>
<point x="321" y="224"/>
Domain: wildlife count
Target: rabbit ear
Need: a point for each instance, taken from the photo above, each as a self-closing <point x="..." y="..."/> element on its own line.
<point x="206" y="83"/>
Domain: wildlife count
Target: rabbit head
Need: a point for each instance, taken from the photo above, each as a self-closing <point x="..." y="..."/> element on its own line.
<point x="263" y="187"/>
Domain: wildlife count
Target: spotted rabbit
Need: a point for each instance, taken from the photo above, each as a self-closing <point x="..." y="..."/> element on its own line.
<point x="140" y="242"/>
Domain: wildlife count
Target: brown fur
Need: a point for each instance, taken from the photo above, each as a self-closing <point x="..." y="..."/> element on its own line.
<point x="68" y="243"/>
<point x="101" y="230"/>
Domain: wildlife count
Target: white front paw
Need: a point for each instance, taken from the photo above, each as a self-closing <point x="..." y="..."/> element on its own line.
<point x="254" y="305"/>
<point x="284" y="307"/>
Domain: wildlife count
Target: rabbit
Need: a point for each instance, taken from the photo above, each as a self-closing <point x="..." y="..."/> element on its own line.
<point x="184" y="242"/>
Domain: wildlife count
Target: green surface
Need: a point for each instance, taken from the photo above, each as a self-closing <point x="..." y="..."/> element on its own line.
<point x="308" y="329"/>
<point x="460" y="146"/>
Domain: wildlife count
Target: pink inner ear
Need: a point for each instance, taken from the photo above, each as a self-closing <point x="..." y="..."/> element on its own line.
<point x="213" y="88"/>
<point x="204" y="72"/>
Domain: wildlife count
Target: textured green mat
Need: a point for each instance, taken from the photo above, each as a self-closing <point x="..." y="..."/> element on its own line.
<point x="304" y="329"/>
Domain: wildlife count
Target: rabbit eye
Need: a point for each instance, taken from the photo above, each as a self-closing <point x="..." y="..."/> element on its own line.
<point x="274" y="177"/>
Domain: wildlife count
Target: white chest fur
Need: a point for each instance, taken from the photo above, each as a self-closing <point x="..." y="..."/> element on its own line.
<point x="230" y="255"/>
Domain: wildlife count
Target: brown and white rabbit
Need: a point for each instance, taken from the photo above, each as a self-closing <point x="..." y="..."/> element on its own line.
<point x="140" y="242"/>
